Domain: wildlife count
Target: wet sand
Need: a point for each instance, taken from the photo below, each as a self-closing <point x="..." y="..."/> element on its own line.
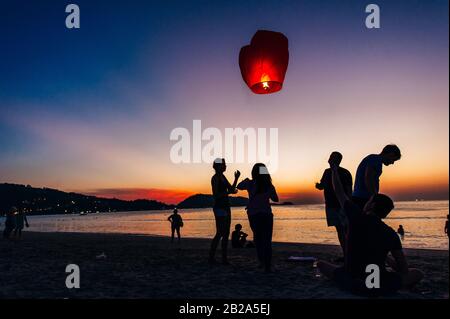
<point x="151" y="267"/>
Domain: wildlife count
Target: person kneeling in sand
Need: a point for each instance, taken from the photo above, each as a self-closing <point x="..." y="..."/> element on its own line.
<point x="369" y="241"/>
<point x="238" y="237"/>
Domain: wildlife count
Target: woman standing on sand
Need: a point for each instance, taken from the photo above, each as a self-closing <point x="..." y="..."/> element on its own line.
<point x="260" y="191"/>
<point x="221" y="188"/>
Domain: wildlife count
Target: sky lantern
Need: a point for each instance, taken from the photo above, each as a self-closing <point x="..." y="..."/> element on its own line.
<point x="264" y="62"/>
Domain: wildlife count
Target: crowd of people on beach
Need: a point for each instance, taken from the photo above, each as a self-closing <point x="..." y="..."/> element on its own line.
<point x="15" y="221"/>
<point x="356" y="211"/>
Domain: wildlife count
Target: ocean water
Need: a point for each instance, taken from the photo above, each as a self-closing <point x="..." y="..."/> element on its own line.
<point x="423" y="222"/>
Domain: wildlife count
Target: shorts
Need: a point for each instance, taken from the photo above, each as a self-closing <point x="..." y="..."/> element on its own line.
<point x="335" y="217"/>
<point x="390" y="282"/>
<point x="222" y="211"/>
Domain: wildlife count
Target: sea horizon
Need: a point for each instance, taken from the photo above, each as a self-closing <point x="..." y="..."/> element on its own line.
<point x="305" y="223"/>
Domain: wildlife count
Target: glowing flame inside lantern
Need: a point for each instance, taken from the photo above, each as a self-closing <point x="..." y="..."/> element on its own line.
<point x="264" y="62"/>
<point x="265" y="81"/>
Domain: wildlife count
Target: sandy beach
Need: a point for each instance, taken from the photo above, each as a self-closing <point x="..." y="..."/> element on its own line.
<point x="151" y="267"/>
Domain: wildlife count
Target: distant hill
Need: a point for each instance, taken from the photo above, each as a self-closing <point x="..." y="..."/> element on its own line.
<point x="204" y="201"/>
<point x="51" y="201"/>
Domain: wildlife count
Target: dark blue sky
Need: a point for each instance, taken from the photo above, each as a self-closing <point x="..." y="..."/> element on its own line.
<point x="137" y="69"/>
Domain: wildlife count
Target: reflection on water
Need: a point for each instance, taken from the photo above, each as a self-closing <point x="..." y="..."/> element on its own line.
<point x="423" y="222"/>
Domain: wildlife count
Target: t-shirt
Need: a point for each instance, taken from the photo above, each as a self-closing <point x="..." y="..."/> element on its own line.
<point x="374" y="161"/>
<point x="257" y="202"/>
<point x="223" y="187"/>
<point x="176" y="220"/>
<point x="369" y="240"/>
<point x="328" y="189"/>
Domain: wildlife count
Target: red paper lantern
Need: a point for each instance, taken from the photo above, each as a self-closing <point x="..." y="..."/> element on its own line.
<point x="264" y="62"/>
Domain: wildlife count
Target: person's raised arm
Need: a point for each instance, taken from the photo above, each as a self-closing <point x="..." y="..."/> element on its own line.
<point x="232" y="188"/>
<point x="370" y="180"/>
<point x="274" y="195"/>
<point x="339" y="190"/>
<point x="319" y="185"/>
<point x="243" y="185"/>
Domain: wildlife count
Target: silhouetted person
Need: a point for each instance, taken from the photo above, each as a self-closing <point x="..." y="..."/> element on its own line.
<point x="335" y="216"/>
<point x="401" y="231"/>
<point x="260" y="191"/>
<point x="221" y="188"/>
<point x="176" y="223"/>
<point x="10" y="222"/>
<point x="367" y="179"/>
<point x="369" y="242"/>
<point x="238" y="237"/>
<point x="21" y="221"/>
<point x="446" y="227"/>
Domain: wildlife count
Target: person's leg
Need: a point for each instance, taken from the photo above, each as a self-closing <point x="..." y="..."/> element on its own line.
<point x="178" y="233"/>
<point x="242" y="241"/>
<point x="173" y="233"/>
<point x="258" y="238"/>
<point x="7" y="232"/>
<point x="215" y="241"/>
<point x="225" y="234"/>
<point x="268" y="230"/>
<point x="341" y="236"/>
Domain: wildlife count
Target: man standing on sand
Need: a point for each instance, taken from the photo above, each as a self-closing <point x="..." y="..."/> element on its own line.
<point x="335" y="216"/>
<point x="176" y="222"/>
<point x="367" y="179"/>
<point x="221" y="188"/>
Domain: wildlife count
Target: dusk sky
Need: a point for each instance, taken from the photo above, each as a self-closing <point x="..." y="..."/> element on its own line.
<point x="91" y="109"/>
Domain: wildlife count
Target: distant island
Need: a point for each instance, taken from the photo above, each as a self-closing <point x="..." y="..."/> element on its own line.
<point x="40" y="201"/>
<point x="205" y="201"/>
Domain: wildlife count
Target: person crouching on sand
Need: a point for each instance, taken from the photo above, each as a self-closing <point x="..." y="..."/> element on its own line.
<point x="369" y="241"/>
<point x="176" y="223"/>
<point x="221" y="188"/>
<point x="238" y="237"/>
<point x="260" y="191"/>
